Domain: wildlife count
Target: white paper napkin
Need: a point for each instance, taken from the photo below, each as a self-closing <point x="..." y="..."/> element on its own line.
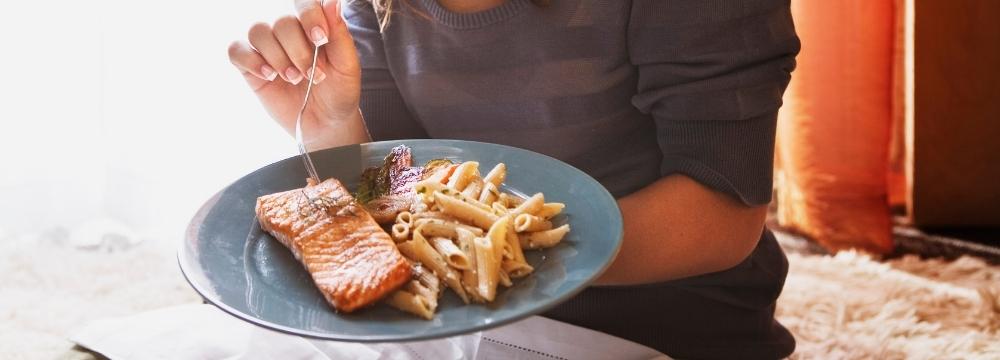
<point x="205" y="332"/>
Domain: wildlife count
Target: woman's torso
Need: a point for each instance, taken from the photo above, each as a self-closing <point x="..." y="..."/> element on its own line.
<point x="507" y="76"/>
<point x="558" y="80"/>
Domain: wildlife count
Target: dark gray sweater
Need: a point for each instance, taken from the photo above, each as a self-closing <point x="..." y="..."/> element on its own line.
<point x="627" y="91"/>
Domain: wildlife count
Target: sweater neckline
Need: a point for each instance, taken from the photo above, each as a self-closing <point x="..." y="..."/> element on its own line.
<point x="477" y="19"/>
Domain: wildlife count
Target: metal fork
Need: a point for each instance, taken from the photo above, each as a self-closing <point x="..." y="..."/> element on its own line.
<point x="303" y="151"/>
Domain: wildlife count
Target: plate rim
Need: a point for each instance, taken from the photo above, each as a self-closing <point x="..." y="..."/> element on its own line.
<point x="204" y="209"/>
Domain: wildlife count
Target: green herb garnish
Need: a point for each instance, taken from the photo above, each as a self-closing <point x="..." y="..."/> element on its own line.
<point x="375" y="181"/>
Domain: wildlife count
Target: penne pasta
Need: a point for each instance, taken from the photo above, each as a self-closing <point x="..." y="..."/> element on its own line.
<point x="411" y="303"/>
<point x="461" y="197"/>
<point x="473" y="201"/>
<point x="550" y="210"/>
<point x="429" y="284"/>
<point x="427" y="214"/>
<point x="426" y="188"/>
<point x="400" y="232"/>
<point x="405" y="217"/>
<point x="463" y="233"/>
<point x="543" y="239"/>
<point x="420" y="250"/>
<point x="465" y="211"/>
<point x="498" y="236"/>
<point x="499" y="209"/>
<point x="435" y="227"/>
<point x="420" y="207"/>
<point x="489" y="194"/>
<point x="463" y="175"/>
<point x="531" y="223"/>
<point x="515" y="252"/>
<point x="451" y="253"/>
<point x="496" y="176"/>
<point x="505" y="278"/>
<point x="516" y="269"/>
<point x="474" y="188"/>
<point x="529" y="206"/>
<point x="428" y="296"/>
<point x="510" y="200"/>
<point x="470" y="278"/>
<point x="441" y="175"/>
<point x="487" y="269"/>
<point x="488" y="255"/>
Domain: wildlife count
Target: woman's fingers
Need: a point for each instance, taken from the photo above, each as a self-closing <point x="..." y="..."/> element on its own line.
<point x="262" y="38"/>
<point x="297" y="47"/>
<point x="313" y="20"/>
<point x="286" y="48"/>
<point x="340" y="52"/>
<point x="249" y="62"/>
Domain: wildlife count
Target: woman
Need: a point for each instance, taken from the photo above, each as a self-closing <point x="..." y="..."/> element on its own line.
<point x="671" y="104"/>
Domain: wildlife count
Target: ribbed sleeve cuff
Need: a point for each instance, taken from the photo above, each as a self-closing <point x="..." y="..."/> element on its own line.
<point x="708" y="177"/>
<point x="732" y="157"/>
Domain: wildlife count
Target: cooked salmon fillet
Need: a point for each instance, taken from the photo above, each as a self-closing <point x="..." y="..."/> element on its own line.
<point x="353" y="261"/>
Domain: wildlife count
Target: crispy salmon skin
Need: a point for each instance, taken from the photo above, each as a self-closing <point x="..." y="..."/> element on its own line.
<point x="353" y="262"/>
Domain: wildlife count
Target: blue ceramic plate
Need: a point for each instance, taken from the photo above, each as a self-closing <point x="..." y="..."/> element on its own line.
<point x="244" y="271"/>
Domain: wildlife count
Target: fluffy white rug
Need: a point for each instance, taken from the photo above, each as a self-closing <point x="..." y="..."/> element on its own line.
<point x="851" y="307"/>
<point x="847" y="306"/>
<point x="48" y="289"/>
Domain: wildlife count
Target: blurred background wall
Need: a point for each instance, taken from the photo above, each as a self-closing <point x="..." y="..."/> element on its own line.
<point x="894" y="103"/>
<point x="126" y="117"/>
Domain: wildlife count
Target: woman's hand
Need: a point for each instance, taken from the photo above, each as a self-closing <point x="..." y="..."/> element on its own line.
<point x="276" y="59"/>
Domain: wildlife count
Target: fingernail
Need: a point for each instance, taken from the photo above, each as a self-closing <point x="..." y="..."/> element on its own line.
<point x="293" y="76"/>
<point x="319" y="76"/>
<point x="268" y="72"/>
<point x="318" y="36"/>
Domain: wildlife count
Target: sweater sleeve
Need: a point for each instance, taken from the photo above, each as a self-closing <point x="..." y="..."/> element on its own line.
<point x="712" y="74"/>
<point x="382" y="106"/>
